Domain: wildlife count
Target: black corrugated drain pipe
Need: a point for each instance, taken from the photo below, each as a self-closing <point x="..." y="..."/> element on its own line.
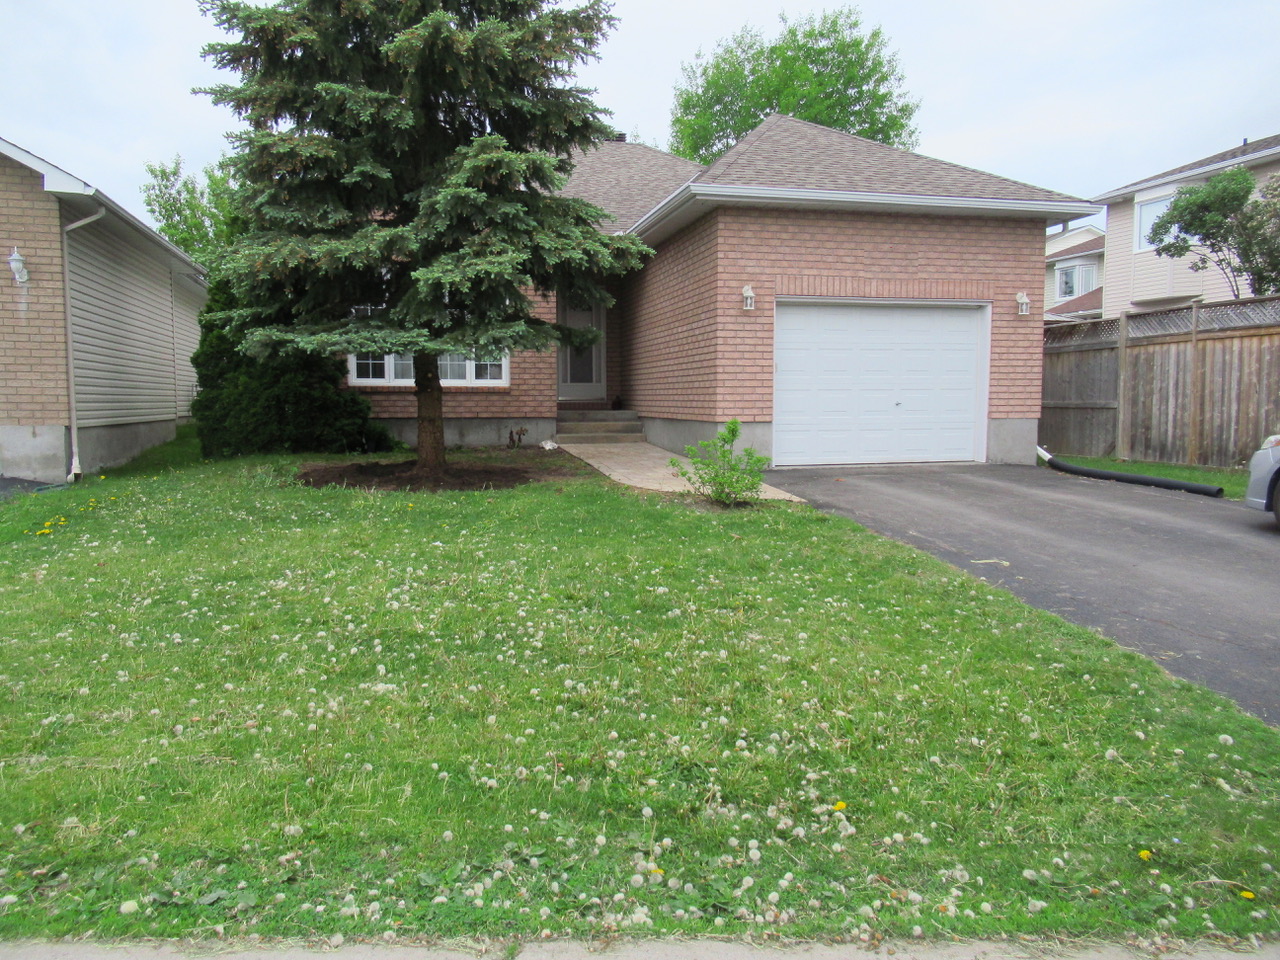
<point x="1204" y="489"/>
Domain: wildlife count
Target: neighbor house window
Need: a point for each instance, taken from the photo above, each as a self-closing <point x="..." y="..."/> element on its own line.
<point x="1146" y="215"/>
<point x="1076" y="279"/>
<point x="456" y="370"/>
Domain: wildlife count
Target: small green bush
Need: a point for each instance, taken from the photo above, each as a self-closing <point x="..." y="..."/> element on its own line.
<point x="719" y="474"/>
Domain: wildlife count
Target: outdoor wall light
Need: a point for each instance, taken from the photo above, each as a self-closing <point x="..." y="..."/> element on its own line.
<point x="18" y="264"/>
<point x="1024" y="304"/>
<point x="748" y="298"/>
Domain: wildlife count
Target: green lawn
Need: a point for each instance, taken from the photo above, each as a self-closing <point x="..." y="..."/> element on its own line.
<point x="1233" y="481"/>
<point x="230" y="702"/>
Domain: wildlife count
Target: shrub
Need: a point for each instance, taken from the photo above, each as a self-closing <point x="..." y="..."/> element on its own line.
<point x="286" y="403"/>
<point x="719" y="474"/>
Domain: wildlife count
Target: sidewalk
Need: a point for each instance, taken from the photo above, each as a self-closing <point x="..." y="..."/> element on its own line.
<point x="645" y="466"/>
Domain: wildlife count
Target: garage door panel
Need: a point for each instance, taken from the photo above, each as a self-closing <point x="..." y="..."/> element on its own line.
<point x="858" y="383"/>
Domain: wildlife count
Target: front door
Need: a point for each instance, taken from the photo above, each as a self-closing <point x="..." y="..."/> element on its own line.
<point x="582" y="371"/>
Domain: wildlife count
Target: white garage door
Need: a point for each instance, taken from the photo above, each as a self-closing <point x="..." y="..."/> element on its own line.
<point x="873" y="383"/>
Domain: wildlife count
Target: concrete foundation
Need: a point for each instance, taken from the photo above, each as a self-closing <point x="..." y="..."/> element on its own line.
<point x="119" y="443"/>
<point x="675" y="435"/>
<point x="495" y="432"/>
<point x="1012" y="441"/>
<point x="35" y="452"/>
<point x="1008" y="441"/>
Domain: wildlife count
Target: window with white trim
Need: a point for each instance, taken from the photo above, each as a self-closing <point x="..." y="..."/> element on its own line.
<point x="1145" y="216"/>
<point x="396" y="370"/>
<point x="1077" y="279"/>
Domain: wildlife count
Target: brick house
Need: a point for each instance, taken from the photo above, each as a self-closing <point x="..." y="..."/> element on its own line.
<point x="97" y="326"/>
<point x="849" y="302"/>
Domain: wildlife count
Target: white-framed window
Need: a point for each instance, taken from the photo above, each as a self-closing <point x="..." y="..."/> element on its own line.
<point x="1145" y="215"/>
<point x="456" y="370"/>
<point x="1077" y="279"/>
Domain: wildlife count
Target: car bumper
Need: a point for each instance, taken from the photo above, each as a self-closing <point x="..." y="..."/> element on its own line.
<point x="1262" y="467"/>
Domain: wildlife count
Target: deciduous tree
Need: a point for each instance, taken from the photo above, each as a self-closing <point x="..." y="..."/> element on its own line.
<point x="825" y="68"/>
<point x="1219" y="223"/>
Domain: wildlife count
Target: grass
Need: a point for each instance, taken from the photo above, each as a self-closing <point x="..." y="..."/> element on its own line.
<point x="231" y="704"/>
<point x="1233" y="480"/>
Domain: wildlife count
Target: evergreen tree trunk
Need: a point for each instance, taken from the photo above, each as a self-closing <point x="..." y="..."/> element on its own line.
<point x="430" y="396"/>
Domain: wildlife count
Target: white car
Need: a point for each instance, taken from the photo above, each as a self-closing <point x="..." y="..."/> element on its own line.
<point x="1264" y="478"/>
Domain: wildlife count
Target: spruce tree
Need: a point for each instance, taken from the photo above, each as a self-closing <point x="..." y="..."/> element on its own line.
<point x="399" y="174"/>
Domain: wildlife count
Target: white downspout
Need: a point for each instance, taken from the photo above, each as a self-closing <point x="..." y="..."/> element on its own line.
<point x="74" y="425"/>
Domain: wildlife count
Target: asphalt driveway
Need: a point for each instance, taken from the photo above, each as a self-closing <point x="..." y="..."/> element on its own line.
<point x="10" y="487"/>
<point x="1191" y="582"/>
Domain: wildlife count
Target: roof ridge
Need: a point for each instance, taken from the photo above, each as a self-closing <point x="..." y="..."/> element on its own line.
<point x="750" y="142"/>
<point x="747" y="144"/>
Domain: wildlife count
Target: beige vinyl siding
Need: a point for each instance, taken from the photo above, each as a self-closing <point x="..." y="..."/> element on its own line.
<point x="126" y="342"/>
<point x="1138" y="279"/>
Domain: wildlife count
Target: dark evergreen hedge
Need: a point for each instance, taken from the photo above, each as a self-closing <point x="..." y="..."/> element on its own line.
<point x="288" y="403"/>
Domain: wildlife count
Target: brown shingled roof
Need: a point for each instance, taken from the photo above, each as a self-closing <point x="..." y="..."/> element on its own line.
<point x="1081" y="304"/>
<point x="1092" y="245"/>
<point x="627" y="180"/>
<point x="1247" y="149"/>
<point x="789" y="153"/>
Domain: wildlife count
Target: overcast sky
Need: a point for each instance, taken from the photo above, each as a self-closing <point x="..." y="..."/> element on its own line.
<point x="1079" y="97"/>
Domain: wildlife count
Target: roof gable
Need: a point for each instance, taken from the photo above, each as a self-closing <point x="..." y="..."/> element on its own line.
<point x="795" y="154"/>
<point x="84" y="200"/>
<point x="1092" y="245"/>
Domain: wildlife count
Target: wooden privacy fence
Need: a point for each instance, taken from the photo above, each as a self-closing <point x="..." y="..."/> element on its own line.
<point x="1200" y="384"/>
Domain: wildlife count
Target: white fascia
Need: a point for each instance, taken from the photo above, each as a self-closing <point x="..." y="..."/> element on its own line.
<point x="1250" y="160"/>
<point x="694" y="199"/>
<point x="57" y="181"/>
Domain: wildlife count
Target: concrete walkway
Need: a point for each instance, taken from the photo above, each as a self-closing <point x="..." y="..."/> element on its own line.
<point x="647" y="467"/>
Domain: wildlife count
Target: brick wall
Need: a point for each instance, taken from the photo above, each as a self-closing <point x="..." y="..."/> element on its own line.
<point x="892" y="256"/>
<point x="532" y="392"/>
<point x="668" y="338"/>
<point x="33" y="352"/>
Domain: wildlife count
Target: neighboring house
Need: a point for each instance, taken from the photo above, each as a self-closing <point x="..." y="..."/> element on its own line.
<point x="97" y="326"/>
<point x="1137" y="279"/>
<point x="1073" y="274"/>
<point x="847" y="301"/>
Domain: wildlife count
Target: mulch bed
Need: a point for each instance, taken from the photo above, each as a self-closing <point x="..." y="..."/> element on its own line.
<point x="482" y="472"/>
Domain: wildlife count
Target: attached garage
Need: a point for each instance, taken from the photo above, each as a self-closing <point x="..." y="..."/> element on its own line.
<point x="880" y="382"/>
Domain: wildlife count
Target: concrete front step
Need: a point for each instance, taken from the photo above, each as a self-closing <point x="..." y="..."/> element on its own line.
<point x="571" y="438"/>
<point x="598" y="416"/>
<point x="599" y="426"/>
